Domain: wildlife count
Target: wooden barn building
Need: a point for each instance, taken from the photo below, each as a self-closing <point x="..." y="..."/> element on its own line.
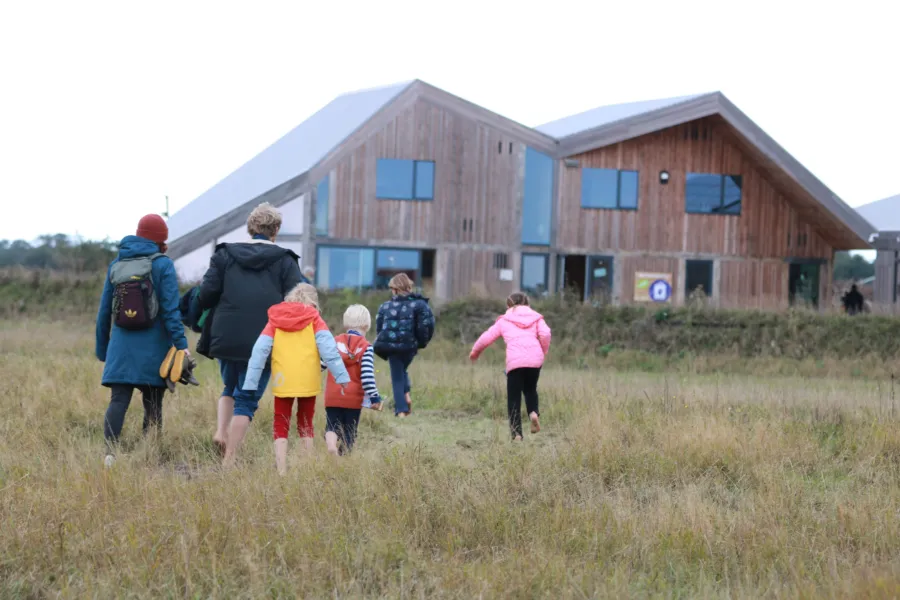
<point x="885" y="216"/>
<point x="639" y="202"/>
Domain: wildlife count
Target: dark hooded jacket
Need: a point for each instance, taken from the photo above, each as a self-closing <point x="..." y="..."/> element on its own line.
<point x="404" y="325"/>
<point x="243" y="281"/>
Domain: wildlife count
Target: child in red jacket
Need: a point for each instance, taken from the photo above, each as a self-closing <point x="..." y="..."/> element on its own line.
<point x="342" y="411"/>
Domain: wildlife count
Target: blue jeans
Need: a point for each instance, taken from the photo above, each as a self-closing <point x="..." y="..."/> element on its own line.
<point x="245" y="402"/>
<point x="399" y="363"/>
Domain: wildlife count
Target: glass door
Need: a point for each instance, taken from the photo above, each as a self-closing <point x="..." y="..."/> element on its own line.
<point x="803" y="284"/>
<point x="599" y="276"/>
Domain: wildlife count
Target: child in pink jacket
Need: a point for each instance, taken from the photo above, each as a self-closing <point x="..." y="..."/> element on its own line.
<point x="527" y="340"/>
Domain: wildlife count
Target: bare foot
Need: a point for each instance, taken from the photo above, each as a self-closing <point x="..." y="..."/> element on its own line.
<point x="408" y="403"/>
<point x="518" y="438"/>
<point x="535" y="422"/>
<point x="403" y="415"/>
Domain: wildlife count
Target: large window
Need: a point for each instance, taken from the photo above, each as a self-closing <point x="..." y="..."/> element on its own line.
<point x="609" y="188"/>
<point x="534" y="273"/>
<point x="712" y="194"/>
<point x="322" y="192"/>
<point x="398" y="179"/>
<point x="364" y="268"/>
<point x="698" y="276"/>
<point x="537" y="210"/>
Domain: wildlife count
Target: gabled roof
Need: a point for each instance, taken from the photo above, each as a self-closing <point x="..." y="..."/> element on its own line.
<point x="281" y="171"/>
<point x="604" y="115"/>
<point x="883" y="214"/>
<point x="295" y="153"/>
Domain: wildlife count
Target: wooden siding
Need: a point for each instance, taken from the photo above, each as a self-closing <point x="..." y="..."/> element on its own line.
<point x="477" y="187"/>
<point x="625" y="267"/>
<point x="768" y="227"/>
<point x="464" y="272"/>
<point x="752" y="284"/>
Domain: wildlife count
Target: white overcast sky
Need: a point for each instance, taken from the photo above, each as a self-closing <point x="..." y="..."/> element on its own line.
<point x="107" y="107"/>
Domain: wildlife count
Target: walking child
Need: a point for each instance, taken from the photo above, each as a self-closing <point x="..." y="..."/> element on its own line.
<point x="527" y="338"/>
<point x="404" y="326"/>
<point x="343" y="408"/>
<point x="298" y="341"/>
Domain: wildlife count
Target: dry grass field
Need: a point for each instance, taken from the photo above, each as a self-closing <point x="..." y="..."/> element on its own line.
<point x="678" y="485"/>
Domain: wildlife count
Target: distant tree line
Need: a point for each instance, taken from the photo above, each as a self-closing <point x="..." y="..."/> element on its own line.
<point x="853" y="267"/>
<point x="57" y="252"/>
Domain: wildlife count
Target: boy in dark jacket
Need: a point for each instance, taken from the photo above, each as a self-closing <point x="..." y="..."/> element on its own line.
<point x="404" y="325"/>
<point x="243" y="281"/>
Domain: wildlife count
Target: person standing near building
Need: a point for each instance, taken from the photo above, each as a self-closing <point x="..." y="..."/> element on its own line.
<point x="139" y="320"/>
<point x="243" y="281"/>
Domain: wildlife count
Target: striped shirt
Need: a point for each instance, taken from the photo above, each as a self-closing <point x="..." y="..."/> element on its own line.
<point x="367" y="373"/>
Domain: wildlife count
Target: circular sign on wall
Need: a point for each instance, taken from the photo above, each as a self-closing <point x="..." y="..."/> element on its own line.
<point x="660" y="291"/>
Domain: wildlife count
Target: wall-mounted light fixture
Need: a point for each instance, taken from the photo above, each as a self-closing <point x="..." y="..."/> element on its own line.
<point x="664" y="177"/>
<point x="571" y="163"/>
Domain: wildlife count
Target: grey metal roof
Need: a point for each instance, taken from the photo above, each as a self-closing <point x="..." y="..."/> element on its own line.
<point x="883" y="214"/>
<point x="605" y="115"/>
<point x="292" y="155"/>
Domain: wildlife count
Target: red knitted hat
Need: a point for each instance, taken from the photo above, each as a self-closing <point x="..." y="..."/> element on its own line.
<point x="153" y="228"/>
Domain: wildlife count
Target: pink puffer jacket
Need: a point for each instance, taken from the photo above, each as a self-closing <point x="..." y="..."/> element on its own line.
<point x="526" y="335"/>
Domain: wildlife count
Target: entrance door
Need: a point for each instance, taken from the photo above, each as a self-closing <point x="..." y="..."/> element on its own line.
<point x="573" y="275"/>
<point x="600" y="280"/>
<point x="803" y="284"/>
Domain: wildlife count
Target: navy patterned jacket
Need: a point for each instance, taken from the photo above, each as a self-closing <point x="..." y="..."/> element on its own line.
<point x="404" y="325"/>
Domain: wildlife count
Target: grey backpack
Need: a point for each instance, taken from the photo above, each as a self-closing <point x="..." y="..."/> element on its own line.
<point x="135" y="305"/>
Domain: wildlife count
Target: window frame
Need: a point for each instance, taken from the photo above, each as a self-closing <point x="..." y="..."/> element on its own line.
<point x="721" y="212"/>
<point x="326" y="182"/>
<point x="710" y="281"/>
<point x="415" y="175"/>
<point x="618" y="205"/>
<point x="376" y="250"/>
<point x="546" y="257"/>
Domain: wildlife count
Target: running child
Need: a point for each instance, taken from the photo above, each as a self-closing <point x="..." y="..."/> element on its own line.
<point x="343" y="408"/>
<point x="527" y="338"/>
<point x="299" y="341"/>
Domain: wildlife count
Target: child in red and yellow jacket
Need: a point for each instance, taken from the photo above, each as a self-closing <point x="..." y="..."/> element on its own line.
<point x="343" y="407"/>
<point x="299" y="341"/>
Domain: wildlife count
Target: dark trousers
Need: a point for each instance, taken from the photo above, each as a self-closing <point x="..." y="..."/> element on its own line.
<point x="519" y="381"/>
<point x="343" y="422"/>
<point x="118" y="406"/>
<point x="399" y="364"/>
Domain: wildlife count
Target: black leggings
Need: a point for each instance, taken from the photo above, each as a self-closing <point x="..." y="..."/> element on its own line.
<point x="519" y="381"/>
<point x="118" y="406"/>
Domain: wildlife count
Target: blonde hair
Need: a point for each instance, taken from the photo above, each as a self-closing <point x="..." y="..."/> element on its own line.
<point x="304" y="293"/>
<point x="401" y="283"/>
<point x="357" y="317"/>
<point x="264" y="220"/>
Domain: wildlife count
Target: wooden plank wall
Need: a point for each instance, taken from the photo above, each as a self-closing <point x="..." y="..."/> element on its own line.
<point x="626" y="267"/>
<point x="464" y="272"/>
<point x="753" y="284"/>
<point x="478" y="178"/>
<point x="768" y="227"/>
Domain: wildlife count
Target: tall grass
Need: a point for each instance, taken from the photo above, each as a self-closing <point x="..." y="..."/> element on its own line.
<point x="673" y="485"/>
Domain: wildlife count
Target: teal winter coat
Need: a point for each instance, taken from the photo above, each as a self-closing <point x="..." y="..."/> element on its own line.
<point x="134" y="357"/>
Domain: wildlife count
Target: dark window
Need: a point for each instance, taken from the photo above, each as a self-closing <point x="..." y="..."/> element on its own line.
<point x="322" y="207"/>
<point x="609" y="188"/>
<point x="534" y="273"/>
<point x="537" y="209"/>
<point x="708" y="193"/>
<point x="393" y="262"/>
<point x="501" y="261"/>
<point x="698" y="275"/>
<point x="399" y="179"/>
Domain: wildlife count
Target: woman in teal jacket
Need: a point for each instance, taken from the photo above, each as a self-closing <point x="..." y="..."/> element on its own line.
<point x="133" y="357"/>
